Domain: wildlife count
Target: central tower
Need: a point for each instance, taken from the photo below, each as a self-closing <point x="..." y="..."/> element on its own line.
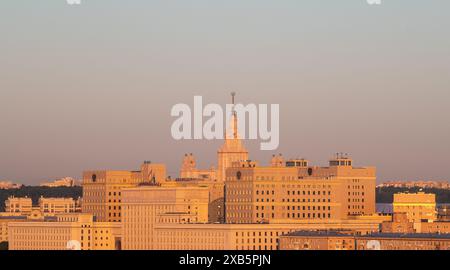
<point x="232" y="150"/>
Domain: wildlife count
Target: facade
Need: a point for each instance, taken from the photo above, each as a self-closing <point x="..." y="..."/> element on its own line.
<point x="102" y="190"/>
<point x="256" y="194"/>
<point x="145" y="206"/>
<point x="399" y="224"/>
<point x="22" y="206"/>
<point x="67" y="229"/>
<point x="384" y="241"/>
<point x="176" y="218"/>
<point x="418" y="206"/>
<point x="4" y="220"/>
<point x="243" y="236"/>
<point x="50" y="206"/>
<point x="403" y="242"/>
<point x="319" y="240"/>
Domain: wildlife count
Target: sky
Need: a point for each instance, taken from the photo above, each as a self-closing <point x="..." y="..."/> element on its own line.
<point x="91" y="86"/>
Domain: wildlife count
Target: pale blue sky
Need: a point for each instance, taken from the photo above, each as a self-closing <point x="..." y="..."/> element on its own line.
<point x="91" y="86"/>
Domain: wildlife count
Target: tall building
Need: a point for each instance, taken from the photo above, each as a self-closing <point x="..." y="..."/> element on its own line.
<point x="102" y="190"/>
<point x="232" y="150"/>
<point x="418" y="206"/>
<point x="296" y="191"/>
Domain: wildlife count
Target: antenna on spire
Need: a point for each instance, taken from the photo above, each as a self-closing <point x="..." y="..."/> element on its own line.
<point x="233" y="94"/>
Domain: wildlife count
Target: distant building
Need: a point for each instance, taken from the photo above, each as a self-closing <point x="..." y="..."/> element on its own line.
<point x="64" y="182"/>
<point x="418" y="206"/>
<point x="9" y="185"/>
<point x="417" y="184"/>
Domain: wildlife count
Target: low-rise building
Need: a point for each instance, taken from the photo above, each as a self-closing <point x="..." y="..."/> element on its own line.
<point x="22" y="206"/>
<point x="380" y="241"/>
<point x="68" y="231"/>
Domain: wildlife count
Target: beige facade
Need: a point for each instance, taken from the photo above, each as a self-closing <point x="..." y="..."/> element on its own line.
<point x="144" y="207"/>
<point x="50" y="206"/>
<point x="257" y="194"/>
<point x="102" y="190"/>
<point x="175" y="218"/>
<point x="17" y="205"/>
<point x="418" y="206"/>
<point x="55" y="235"/>
<point x="243" y="236"/>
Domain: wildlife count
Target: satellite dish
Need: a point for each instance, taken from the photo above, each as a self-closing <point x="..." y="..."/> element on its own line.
<point x="373" y="245"/>
<point x="73" y="245"/>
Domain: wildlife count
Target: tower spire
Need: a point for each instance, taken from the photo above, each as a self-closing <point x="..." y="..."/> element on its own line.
<point x="235" y="120"/>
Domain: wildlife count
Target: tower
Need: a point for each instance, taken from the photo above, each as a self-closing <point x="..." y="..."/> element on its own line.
<point x="233" y="149"/>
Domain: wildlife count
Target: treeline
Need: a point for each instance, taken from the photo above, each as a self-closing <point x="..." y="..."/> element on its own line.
<point x="36" y="192"/>
<point x="386" y="194"/>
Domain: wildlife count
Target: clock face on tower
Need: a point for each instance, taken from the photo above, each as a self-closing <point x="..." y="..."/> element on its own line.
<point x="238" y="175"/>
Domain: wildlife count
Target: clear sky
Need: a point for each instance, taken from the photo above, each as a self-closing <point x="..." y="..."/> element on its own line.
<point x="91" y="86"/>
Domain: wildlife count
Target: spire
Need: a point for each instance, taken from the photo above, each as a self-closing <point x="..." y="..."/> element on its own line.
<point x="235" y="120"/>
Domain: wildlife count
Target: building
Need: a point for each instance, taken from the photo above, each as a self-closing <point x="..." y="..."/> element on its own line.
<point x="9" y="185"/>
<point x="444" y="212"/>
<point x="305" y="240"/>
<point x="64" y="182"/>
<point x="22" y="206"/>
<point x="175" y="218"/>
<point x="415" y="241"/>
<point x="444" y="184"/>
<point x="102" y="189"/>
<point x="317" y="240"/>
<point x="68" y="231"/>
<point x="50" y="206"/>
<point x="189" y="170"/>
<point x="399" y="224"/>
<point x="297" y="191"/>
<point x="145" y="206"/>
<point x="418" y="206"/>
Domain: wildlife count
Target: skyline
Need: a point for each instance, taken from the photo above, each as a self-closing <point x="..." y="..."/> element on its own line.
<point x="94" y="91"/>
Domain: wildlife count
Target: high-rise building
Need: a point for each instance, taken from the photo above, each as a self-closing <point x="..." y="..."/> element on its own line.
<point x="296" y="191"/>
<point x="102" y="190"/>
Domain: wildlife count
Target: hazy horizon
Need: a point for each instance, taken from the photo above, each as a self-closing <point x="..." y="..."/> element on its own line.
<point x="91" y="86"/>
